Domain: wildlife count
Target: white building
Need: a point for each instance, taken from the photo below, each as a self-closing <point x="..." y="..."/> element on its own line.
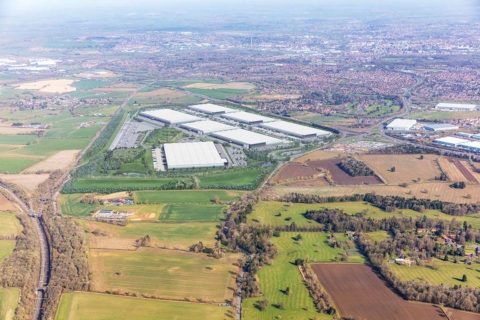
<point x="456" y="107"/>
<point x="295" y="130"/>
<point x="168" y="116"/>
<point x="211" y="109"/>
<point x="438" y="127"/>
<point x="472" y="146"/>
<point x="206" y="126"/>
<point x="401" y="125"/>
<point x="247" y="117"/>
<point x="192" y="155"/>
<point x="246" y="139"/>
<point x="450" y="141"/>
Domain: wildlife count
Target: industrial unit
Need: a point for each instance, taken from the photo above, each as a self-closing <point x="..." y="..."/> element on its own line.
<point x="206" y="126"/>
<point x="401" y="125"/>
<point x="438" y="127"/>
<point x="247" y="118"/>
<point x="456" y="107"/>
<point x="168" y="116"/>
<point x="450" y="141"/>
<point x="246" y="139"/>
<point x="472" y="146"/>
<point x="295" y="130"/>
<point x="192" y="155"/>
<point x="211" y="109"/>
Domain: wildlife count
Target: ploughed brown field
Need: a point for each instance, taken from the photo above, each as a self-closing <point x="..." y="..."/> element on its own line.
<point x="358" y="293"/>
<point x="339" y="176"/>
<point x="464" y="170"/>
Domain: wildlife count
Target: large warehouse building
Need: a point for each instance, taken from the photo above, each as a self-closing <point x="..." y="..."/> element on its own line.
<point x="211" y="109"/>
<point x="456" y="107"/>
<point x="401" y="125"/>
<point x="452" y="142"/>
<point x="295" y="130"/>
<point x="168" y="116"/>
<point x="247" y="117"/>
<point x="472" y="146"/>
<point x="206" y="126"/>
<point x="246" y="139"/>
<point x="438" y="127"/>
<point x="192" y="155"/>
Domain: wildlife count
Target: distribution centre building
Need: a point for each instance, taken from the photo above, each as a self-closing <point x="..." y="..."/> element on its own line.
<point x="450" y="141"/>
<point x="246" y="139"/>
<point x="247" y="117"/>
<point x="168" y="116"/>
<point x="456" y="106"/>
<point x="295" y="130"/>
<point x="401" y="124"/>
<point x="472" y="146"/>
<point x="437" y="127"/>
<point x="211" y="109"/>
<point x="206" y="126"/>
<point x="192" y="155"/>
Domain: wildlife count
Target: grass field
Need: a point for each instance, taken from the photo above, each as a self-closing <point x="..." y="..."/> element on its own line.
<point x="218" y="93"/>
<point x="198" y="197"/>
<point x="163" y="273"/>
<point x="247" y="178"/>
<point x="169" y="235"/>
<point x="6" y="248"/>
<point x="192" y="212"/>
<point x="440" y="272"/>
<point x="9" y="224"/>
<point x="282" y="274"/>
<point x="9" y="299"/>
<point x="115" y="184"/>
<point x="266" y="212"/>
<point x="94" y="306"/>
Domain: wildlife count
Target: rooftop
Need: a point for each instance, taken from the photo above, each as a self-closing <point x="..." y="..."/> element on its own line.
<point x="211" y="108"/>
<point x="247" y="137"/>
<point x="294" y="129"/>
<point x="207" y="126"/>
<point x="402" y="123"/>
<point x="451" y="140"/>
<point x="192" y="155"/>
<point x="169" y="116"/>
<point x="247" y="117"/>
<point x="448" y="105"/>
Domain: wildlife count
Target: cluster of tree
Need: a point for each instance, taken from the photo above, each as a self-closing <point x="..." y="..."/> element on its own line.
<point x="252" y="240"/>
<point x="69" y="266"/>
<point x="458" y="185"/>
<point x="215" y="252"/>
<point x="355" y="167"/>
<point x="464" y="298"/>
<point x="390" y="203"/>
<point x="406" y="149"/>
<point x="321" y="299"/>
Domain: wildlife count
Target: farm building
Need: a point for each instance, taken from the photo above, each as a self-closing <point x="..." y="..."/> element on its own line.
<point x="247" y="118"/>
<point x="438" y="127"/>
<point x="206" y="126"/>
<point x="168" y="116"/>
<point x="246" y="139"/>
<point x="472" y="146"/>
<point x="295" y="130"/>
<point x="192" y="155"/>
<point x="450" y="141"/>
<point x="211" y="109"/>
<point x="456" y="107"/>
<point x="401" y="125"/>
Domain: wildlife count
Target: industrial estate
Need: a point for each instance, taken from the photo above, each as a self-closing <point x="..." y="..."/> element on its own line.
<point x="316" y="163"/>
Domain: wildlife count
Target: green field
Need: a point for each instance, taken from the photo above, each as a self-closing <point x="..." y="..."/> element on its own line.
<point x="198" y="197"/>
<point x="6" y="248"/>
<point x="171" y="235"/>
<point x="9" y="224"/>
<point x="192" y="212"/>
<point x="9" y="299"/>
<point x="94" y="306"/>
<point x="247" y="178"/>
<point x="221" y="94"/>
<point x="115" y="184"/>
<point x="163" y="273"/>
<point x="277" y="213"/>
<point x="440" y="272"/>
<point x="282" y="274"/>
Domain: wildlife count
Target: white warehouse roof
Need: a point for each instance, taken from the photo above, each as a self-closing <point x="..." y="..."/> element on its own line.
<point x="459" y="106"/>
<point x="440" y="126"/>
<point x="207" y="126"/>
<point x="210" y="108"/>
<point x="245" y="137"/>
<point x="247" y="117"/>
<point x="294" y="129"/>
<point x="401" y="124"/>
<point x="169" y="116"/>
<point x="450" y="141"/>
<point x="192" y="155"/>
<point x="471" y="145"/>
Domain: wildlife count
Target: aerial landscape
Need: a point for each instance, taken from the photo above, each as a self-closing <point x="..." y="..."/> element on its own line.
<point x="244" y="160"/>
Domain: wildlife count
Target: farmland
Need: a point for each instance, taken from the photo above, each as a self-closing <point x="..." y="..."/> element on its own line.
<point x="9" y="228"/>
<point x="440" y="272"/>
<point x="94" y="306"/>
<point x="358" y="293"/>
<point x="282" y="273"/>
<point x="9" y="299"/>
<point x="163" y="274"/>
